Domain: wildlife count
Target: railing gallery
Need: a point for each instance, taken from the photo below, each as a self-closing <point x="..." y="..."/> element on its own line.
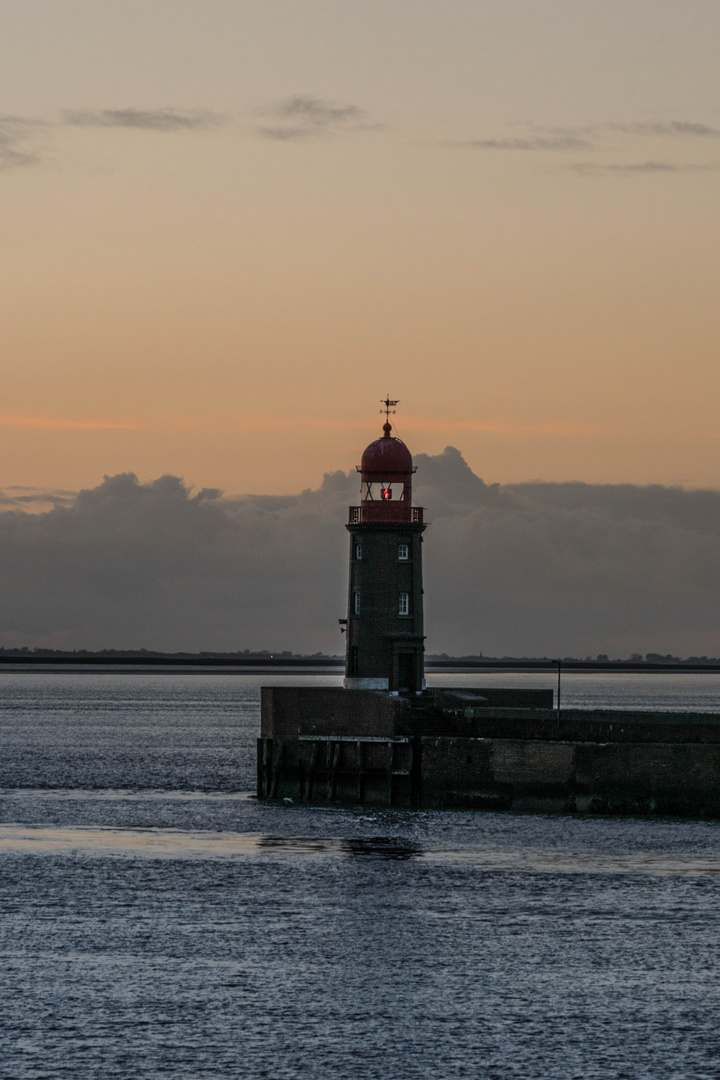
<point x="354" y="516"/>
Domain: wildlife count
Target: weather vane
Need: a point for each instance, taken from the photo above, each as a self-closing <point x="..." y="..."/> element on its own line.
<point x="389" y="408"/>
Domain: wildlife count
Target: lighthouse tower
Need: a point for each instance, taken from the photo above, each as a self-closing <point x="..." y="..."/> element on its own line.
<point x="385" y="596"/>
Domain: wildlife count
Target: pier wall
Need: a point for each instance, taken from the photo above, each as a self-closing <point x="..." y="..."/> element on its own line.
<point x="326" y="745"/>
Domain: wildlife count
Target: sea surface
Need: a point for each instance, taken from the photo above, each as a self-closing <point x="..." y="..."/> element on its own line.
<point x="157" y="921"/>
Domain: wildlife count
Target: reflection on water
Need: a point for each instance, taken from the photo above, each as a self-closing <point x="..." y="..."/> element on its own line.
<point x="382" y="847"/>
<point x="174" y="844"/>
<point x="370" y="847"/>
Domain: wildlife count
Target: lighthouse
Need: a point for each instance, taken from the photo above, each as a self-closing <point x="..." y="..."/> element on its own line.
<point x="385" y="639"/>
<point x="384" y="739"/>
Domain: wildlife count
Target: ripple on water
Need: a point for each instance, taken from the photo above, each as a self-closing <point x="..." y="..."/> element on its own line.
<point x="156" y="921"/>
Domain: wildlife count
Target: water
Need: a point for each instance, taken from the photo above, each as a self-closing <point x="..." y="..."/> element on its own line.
<point x="156" y="921"/>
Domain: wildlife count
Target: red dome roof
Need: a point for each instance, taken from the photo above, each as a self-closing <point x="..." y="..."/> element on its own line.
<point x="387" y="455"/>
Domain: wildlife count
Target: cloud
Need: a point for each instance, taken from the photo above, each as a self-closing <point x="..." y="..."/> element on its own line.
<point x="532" y="142"/>
<point x="679" y="128"/>
<point x="672" y="127"/>
<point x="144" y="119"/>
<point x="595" y="137"/>
<point x="316" y="111"/>
<point x="534" y="569"/>
<point x="24" y="498"/>
<point x="15" y="132"/>
<point x="304" y="117"/>
<point x="590" y="168"/>
<point x="285" y="134"/>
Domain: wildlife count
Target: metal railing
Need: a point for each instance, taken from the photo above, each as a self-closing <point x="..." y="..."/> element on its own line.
<point x="355" y="514"/>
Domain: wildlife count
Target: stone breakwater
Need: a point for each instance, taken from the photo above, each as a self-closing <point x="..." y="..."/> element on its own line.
<point x="485" y="749"/>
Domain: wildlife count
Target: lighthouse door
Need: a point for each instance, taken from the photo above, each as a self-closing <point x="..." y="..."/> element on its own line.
<point x="406" y="672"/>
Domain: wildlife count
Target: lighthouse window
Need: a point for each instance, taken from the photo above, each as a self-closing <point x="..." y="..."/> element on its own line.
<point x="356" y="603"/>
<point x="403" y="552"/>
<point x="385" y="491"/>
<point x="404" y="604"/>
<point x="358" y="552"/>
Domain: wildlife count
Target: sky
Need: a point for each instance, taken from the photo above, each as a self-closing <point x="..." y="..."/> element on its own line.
<point x="228" y="228"/>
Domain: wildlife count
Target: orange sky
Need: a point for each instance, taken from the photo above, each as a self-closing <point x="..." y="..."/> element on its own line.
<point x="227" y="229"/>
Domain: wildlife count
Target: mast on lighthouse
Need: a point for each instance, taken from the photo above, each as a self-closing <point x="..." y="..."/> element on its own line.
<point x="385" y="641"/>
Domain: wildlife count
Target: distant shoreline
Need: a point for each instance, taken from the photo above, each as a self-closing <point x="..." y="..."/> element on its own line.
<point x="316" y="665"/>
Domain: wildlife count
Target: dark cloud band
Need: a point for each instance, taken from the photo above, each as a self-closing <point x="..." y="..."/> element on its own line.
<point x="530" y="569"/>
<point x="303" y="117"/>
<point x="560" y="142"/>
<point x="143" y="119"/>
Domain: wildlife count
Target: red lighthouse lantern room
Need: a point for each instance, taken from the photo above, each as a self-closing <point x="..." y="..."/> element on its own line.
<point x="386" y="475"/>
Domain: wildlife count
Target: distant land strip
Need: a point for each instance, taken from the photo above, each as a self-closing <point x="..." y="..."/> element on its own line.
<point x="111" y="659"/>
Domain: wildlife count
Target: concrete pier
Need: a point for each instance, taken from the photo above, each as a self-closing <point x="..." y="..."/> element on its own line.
<point x="493" y="749"/>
